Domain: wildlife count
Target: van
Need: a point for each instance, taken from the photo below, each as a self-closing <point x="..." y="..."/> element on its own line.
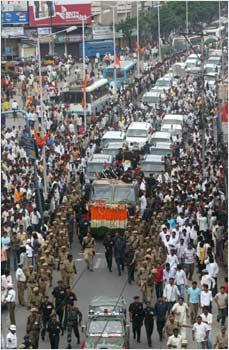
<point x="113" y="136"/>
<point x="161" y="149"/>
<point x="179" y="70"/>
<point x="152" y="164"/>
<point x="138" y="133"/>
<point x="173" y="129"/>
<point x="96" y="163"/>
<point x="160" y="136"/>
<point x="113" y="148"/>
<point x="153" y="98"/>
<point x="173" y="119"/>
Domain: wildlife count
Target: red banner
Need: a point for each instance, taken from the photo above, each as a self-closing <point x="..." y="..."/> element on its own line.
<point x="224" y="113"/>
<point x="50" y="13"/>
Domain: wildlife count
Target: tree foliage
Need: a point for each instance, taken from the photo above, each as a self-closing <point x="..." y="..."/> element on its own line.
<point x="172" y="18"/>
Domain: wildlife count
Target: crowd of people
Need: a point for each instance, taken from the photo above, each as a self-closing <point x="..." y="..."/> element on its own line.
<point x="174" y="249"/>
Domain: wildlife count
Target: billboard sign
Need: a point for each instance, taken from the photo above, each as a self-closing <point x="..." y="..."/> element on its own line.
<point x="15" y="17"/>
<point x="58" y="13"/>
<point x="12" y="31"/>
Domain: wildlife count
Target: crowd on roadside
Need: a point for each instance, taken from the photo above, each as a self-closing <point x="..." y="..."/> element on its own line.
<point x="183" y="224"/>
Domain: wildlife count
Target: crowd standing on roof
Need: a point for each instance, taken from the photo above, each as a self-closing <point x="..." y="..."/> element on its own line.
<point x="180" y="232"/>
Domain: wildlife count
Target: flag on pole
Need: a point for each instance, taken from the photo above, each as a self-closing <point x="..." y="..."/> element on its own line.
<point x="117" y="61"/>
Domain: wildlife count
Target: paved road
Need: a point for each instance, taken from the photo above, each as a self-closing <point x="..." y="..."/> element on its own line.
<point x="88" y="285"/>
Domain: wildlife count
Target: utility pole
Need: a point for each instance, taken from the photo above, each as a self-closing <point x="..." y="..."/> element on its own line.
<point x="202" y="98"/>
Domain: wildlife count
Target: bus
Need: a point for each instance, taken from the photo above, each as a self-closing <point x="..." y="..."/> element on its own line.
<point x="180" y="43"/>
<point x="93" y="47"/>
<point x="125" y="73"/>
<point x="97" y="96"/>
<point x="215" y="32"/>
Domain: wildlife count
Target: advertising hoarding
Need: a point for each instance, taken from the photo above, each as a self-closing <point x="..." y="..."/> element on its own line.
<point x="15" y="17"/>
<point x="58" y="13"/>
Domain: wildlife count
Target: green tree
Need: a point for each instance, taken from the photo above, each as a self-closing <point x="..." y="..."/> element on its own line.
<point x="127" y="27"/>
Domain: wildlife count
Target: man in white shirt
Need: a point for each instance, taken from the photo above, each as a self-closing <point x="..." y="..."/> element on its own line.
<point x="206" y="297"/>
<point x="11" y="338"/>
<point x="35" y="219"/>
<point x="143" y="204"/>
<point x="175" y="340"/>
<point x="171" y="293"/>
<point x="207" y="318"/>
<point x="172" y="259"/>
<point x="11" y="297"/>
<point x="21" y="280"/>
<point x="206" y="279"/>
<point x="181" y="280"/>
<point x="200" y="333"/>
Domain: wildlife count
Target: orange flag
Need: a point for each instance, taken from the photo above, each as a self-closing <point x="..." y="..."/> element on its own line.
<point x="139" y="48"/>
<point x="84" y="85"/>
<point x="117" y="61"/>
<point x="41" y="141"/>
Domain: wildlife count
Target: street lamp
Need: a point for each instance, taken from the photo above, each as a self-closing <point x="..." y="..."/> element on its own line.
<point x="70" y="29"/>
<point x="138" y="44"/>
<point x="159" y="30"/>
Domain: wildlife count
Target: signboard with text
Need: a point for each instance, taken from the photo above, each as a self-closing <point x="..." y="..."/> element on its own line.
<point x="58" y="13"/>
<point x="15" y="17"/>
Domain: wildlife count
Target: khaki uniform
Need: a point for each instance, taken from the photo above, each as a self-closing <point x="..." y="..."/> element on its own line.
<point x="33" y="329"/>
<point x="89" y="251"/>
<point x="31" y="283"/>
<point x="221" y="342"/>
<point x="68" y="270"/>
<point x="169" y="327"/>
<point x="36" y="300"/>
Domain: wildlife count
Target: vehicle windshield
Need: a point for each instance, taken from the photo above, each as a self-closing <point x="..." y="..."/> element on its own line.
<point x="214" y="60"/>
<point x="124" y="194"/>
<point x="210" y="70"/>
<point x="136" y="133"/>
<point x="113" y="342"/>
<point x="102" y="192"/>
<point x="163" y="82"/>
<point x="159" y="140"/>
<point x="152" y="166"/>
<point x="105" y="326"/>
<point x="75" y="97"/>
<point x="94" y="167"/>
<point x="151" y="99"/>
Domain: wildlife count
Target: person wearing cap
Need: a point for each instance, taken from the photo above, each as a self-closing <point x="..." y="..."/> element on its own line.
<point x="72" y="322"/>
<point x="136" y="317"/>
<point x="10" y="299"/>
<point x="46" y="310"/>
<point x="33" y="327"/>
<point x="26" y="343"/>
<point x="130" y="257"/>
<point x="21" y="283"/>
<point x="31" y="279"/>
<point x="108" y="245"/>
<point x="221" y="340"/>
<point x="11" y="338"/>
<point x="69" y="269"/>
<point x="54" y="328"/>
<point x="88" y="245"/>
<point x="59" y="294"/>
<point x="148" y="315"/>
<point x="36" y="298"/>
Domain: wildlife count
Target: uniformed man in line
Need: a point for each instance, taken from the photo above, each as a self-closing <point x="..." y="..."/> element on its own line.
<point x="11" y="338"/>
<point x="130" y="262"/>
<point x="59" y="294"/>
<point x="88" y="245"/>
<point x="170" y="325"/>
<point x="148" y="315"/>
<point x="221" y="340"/>
<point x="36" y="298"/>
<point x="31" y="276"/>
<point x="62" y="257"/>
<point x="69" y="269"/>
<point x="54" y="328"/>
<point x="11" y="303"/>
<point x="33" y="327"/>
<point x="46" y="310"/>
<point x="73" y="320"/>
<point x="70" y="297"/>
<point x="136" y="317"/>
<point x="21" y="283"/>
<point x="108" y="244"/>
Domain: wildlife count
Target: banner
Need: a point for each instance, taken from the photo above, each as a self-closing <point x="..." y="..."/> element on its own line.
<point x="15" y="17"/>
<point x="58" y="13"/>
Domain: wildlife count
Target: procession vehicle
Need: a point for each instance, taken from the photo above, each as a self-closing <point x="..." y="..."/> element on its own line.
<point x="153" y="98"/>
<point x="152" y="164"/>
<point x="161" y="149"/>
<point x="113" y="148"/>
<point x="138" y="133"/>
<point x="110" y="204"/>
<point x="160" y="136"/>
<point x="173" y="119"/>
<point x="107" y="326"/>
<point x="97" y="96"/>
<point x="113" y="136"/>
<point x="125" y="73"/>
<point x="96" y="164"/>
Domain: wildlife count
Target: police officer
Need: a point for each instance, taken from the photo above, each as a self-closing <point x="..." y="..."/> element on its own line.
<point x="59" y="294"/>
<point x="70" y="298"/>
<point x="136" y="317"/>
<point x="68" y="269"/>
<point x="73" y="320"/>
<point x="46" y="309"/>
<point x="33" y="327"/>
<point x="11" y="338"/>
<point x="148" y="314"/>
<point x="108" y="244"/>
<point x="54" y="329"/>
<point x="89" y="245"/>
<point x="130" y="263"/>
